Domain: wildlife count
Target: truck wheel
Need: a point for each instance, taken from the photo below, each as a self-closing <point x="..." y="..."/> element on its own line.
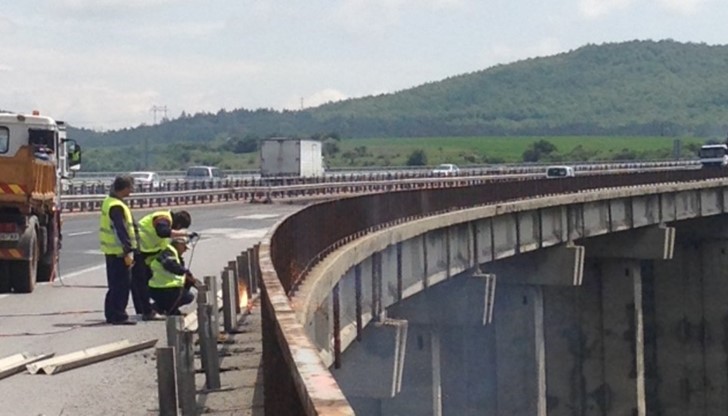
<point x="24" y="273"/>
<point x="48" y="261"/>
<point x="4" y="276"/>
<point x="45" y="271"/>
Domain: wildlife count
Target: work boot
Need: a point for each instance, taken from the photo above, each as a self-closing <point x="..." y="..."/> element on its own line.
<point x="152" y="316"/>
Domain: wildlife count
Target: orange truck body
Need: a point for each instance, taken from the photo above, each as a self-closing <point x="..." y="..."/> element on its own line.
<point x="33" y="160"/>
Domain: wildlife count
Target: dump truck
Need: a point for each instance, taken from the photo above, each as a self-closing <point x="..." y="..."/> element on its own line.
<point x="282" y="157"/>
<point x="35" y="156"/>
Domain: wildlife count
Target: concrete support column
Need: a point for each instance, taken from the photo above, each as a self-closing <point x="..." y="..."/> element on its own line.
<point x="436" y="365"/>
<point x="519" y="339"/>
<point x="594" y="342"/>
<point x="622" y="323"/>
<point x="714" y="256"/>
<point x="691" y="327"/>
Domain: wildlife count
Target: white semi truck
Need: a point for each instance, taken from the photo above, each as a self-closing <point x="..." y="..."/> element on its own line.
<point x="282" y="157"/>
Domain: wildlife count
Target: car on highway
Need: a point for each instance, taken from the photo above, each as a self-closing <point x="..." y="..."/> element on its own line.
<point x="560" y="172"/>
<point x="148" y="180"/>
<point x="446" y="169"/>
<point x="203" y="173"/>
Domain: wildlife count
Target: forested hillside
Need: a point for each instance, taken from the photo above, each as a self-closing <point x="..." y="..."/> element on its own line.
<point x="637" y="88"/>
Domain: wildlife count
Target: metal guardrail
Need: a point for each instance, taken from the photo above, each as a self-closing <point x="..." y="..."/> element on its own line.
<point x="94" y="186"/>
<point x="186" y="193"/>
<point x="337" y="171"/>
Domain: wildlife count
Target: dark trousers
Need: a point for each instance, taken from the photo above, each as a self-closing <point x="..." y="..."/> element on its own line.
<point x="118" y="278"/>
<point x="140" y="275"/>
<point x="168" y="301"/>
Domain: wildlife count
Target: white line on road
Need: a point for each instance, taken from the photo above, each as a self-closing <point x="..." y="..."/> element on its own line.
<point x="79" y="233"/>
<point x="65" y="276"/>
<point x="3" y="296"/>
<point x="256" y="216"/>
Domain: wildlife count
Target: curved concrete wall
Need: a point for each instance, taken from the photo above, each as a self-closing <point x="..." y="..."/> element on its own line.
<point x="324" y="316"/>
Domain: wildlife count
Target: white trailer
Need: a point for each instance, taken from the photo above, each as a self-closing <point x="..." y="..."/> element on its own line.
<point x="289" y="157"/>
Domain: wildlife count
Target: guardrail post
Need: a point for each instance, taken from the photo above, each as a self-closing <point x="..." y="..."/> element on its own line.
<point x="166" y="381"/>
<point x="212" y="285"/>
<point x="233" y="268"/>
<point x="228" y="297"/>
<point x="208" y="345"/>
<point x="244" y="273"/>
<point x="251" y="268"/>
<point x="187" y="391"/>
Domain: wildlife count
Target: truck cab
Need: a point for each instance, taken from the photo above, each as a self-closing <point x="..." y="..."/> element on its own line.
<point x="714" y="155"/>
<point x="34" y="156"/>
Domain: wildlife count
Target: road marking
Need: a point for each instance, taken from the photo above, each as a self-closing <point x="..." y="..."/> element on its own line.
<point x="79" y="233"/>
<point x="94" y="252"/>
<point x="235" y="233"/>
<point x="259" y="233"/>
<point x="256" y="216"/>
<point x="77" y="273"/>
<point x="3" y="296"/>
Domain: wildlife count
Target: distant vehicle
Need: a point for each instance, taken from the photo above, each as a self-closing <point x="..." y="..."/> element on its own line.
<point x="290" y="157"/>
<point x="148" y="180"/>
<point x="714" y="155"/>
<point x="203" y="173"/>
<point x="446" y="169"/>
<point x="559" y="172"/>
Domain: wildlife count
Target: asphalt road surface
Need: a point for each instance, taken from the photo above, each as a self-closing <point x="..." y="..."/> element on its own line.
<point x="68" y="317"/>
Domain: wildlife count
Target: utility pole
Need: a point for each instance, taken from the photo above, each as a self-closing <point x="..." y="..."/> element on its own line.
<point x="159" y="109"/>
<point x="155" y="109"/>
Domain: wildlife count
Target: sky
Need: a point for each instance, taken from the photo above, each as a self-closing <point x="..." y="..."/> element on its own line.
<point x="108" y="64"/>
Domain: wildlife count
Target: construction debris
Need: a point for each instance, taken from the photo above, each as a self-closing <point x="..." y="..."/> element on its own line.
<point x="16" y="363"/>
<point x="87" y="356"/>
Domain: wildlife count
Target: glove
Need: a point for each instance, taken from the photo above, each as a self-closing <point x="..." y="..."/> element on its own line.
<point x="129" y="259"/>
<point x="193" y="235"/>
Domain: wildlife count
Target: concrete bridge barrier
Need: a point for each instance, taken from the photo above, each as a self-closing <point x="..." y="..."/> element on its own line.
<point x="336" y="266"/>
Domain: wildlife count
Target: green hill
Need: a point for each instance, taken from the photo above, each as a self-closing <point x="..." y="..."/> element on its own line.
<point x="636" y="88"/>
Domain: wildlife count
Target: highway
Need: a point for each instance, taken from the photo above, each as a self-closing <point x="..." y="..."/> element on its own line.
<point x="68" y="316"/>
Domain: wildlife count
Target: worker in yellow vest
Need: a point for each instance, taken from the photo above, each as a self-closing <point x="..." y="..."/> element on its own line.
<point x="155" y="233"/>
<point x="118" y="240"/>
<point x="171" y="280"/>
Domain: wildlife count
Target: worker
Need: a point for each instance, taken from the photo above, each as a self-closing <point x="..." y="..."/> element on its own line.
<point x="171" y="280"/>
<point x="118" y="240"/>
<point x="155" y="231"/>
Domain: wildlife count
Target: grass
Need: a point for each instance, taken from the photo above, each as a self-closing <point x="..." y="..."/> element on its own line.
<point x="465" y="150"/>
<point x="395" y="152"/>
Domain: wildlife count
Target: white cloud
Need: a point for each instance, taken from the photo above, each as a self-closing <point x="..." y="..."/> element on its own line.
<point x="598" y="8"/>
<point x="116" y="89"/>
<point x="376" y="16"/>
<point x="684" y="7"/>
<point x="7" y="26"/>
<point x="5" y="68"/>
<point x="107" y="9"/>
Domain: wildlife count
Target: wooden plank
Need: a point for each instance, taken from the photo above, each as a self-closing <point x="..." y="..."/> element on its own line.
<point x="16" y="363"/>
<point x="87" y="356"/>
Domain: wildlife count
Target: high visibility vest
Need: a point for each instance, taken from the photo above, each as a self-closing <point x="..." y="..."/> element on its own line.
<point x="149" y="241"/>
<point x="163" y="279"/>
<point x="108" y="239"/>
